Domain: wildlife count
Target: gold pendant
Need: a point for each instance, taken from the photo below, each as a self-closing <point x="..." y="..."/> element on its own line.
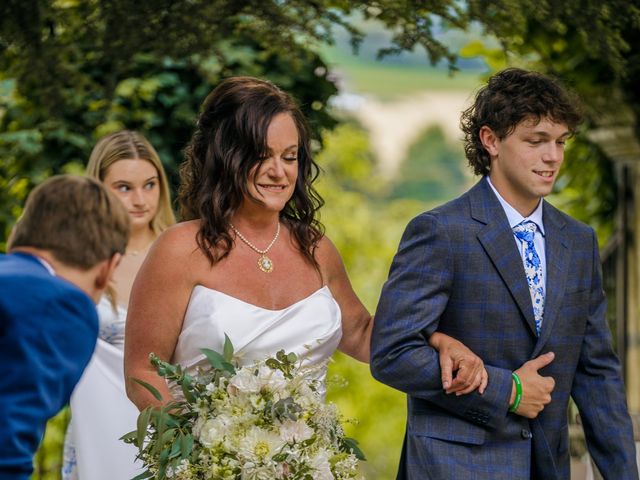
<point x="265" y="264"/>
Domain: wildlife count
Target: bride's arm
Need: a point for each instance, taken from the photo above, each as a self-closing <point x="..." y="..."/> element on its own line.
<point x="157" y="305"/>
<point x="457" y="357"/>
<point x="356" y="320"/>
<point x="357" y="324"/>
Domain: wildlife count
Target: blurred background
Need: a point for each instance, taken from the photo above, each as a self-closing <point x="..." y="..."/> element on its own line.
<point x="383" y="84"/>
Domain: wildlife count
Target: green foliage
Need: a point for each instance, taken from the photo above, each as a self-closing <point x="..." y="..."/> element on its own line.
<point x="433" y="170"/>
<point x="104" y="74"/>
<point x="66" y="42"/>
<point x="122" y="64"/>
<point x="48" y="460"/>
<point x="366" y="227"/>
<point x="586" y="187"/>
<point x="574" y="37"/>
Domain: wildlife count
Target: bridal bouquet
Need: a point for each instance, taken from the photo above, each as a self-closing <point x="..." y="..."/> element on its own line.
<point x="259" y="422"/>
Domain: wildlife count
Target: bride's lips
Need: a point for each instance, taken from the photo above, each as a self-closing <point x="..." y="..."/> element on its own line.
<point x="272" y="188"/>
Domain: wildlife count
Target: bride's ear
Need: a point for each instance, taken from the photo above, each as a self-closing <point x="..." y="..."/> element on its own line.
<point x="105" y="271"/>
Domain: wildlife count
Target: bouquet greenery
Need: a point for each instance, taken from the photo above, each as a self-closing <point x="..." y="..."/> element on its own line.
<point x="263" y="421"/>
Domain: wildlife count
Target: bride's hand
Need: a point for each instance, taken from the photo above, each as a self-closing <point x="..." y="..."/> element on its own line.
<point x="456" y="357"/>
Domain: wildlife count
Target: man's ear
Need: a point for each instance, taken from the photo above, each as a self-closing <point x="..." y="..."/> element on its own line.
<point x="490" y="140"/>
<point x="105" y="271"/>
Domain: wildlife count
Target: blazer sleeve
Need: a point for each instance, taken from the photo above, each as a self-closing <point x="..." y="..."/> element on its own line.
<point x="45" y="348"/>
<point x="598" y="390"/>
<point x="411" y="304"/>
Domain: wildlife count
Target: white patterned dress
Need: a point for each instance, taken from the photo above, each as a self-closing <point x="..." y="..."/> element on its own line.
<point x="100" y="410"/>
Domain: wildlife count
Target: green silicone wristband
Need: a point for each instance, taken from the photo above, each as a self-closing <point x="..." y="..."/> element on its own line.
<point x="516" y="401"/>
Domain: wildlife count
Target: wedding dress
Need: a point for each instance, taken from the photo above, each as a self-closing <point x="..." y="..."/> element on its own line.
<point x="100" y="410"/>
<point x="310" y="328"/>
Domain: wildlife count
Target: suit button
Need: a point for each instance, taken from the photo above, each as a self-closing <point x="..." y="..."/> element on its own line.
<point x="526" y="434"/>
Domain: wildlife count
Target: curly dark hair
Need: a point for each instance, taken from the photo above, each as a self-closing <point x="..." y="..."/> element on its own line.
<point x="509" y="97"/>
<point x="229" y="140"/>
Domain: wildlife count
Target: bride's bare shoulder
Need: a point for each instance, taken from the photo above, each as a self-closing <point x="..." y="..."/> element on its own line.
<point x="329" y="258"/>
<point x="180" y="235"/>
<point x="179" y="240"/>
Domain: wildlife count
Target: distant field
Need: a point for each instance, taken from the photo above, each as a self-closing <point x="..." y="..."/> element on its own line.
<point x="389" y="81"/>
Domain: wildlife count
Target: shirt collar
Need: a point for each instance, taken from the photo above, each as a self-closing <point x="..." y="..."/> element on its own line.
<point x="514" y="217"/>
<point x="40" y="260"/>
<point x="46" y="265"/>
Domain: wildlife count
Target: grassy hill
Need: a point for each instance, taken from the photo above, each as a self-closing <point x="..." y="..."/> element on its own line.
<point x="389" y="80"/>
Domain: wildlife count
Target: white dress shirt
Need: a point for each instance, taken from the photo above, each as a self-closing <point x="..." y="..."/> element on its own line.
<point x="514" y="218"/>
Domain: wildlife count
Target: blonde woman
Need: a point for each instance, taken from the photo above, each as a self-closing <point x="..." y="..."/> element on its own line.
<point x="101" y="413"/>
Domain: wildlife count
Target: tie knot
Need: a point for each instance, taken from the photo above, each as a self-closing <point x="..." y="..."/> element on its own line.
<point x="525" y="231"/>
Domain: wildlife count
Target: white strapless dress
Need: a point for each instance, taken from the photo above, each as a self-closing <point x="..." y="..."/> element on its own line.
<point x="311" y="328"/>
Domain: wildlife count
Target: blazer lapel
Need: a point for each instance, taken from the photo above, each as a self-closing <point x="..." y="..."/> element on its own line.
<point x="556" y="249"/>
<point x="497" y="239"/>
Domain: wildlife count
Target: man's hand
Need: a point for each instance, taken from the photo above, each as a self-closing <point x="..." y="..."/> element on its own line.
<point x="456" y="357"/>
<point x="536" y="389"/>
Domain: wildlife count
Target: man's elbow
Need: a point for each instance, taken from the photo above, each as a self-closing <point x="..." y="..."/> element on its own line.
<point x="381" y="367"/>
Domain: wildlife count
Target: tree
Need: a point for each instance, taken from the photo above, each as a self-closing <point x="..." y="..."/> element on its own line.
<point x="74" y="71"/>
<point x="71" y="71"/>
<point x="593" y="47"/>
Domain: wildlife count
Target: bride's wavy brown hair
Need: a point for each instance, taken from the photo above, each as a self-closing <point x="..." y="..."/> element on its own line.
<point x="229" y="140"/>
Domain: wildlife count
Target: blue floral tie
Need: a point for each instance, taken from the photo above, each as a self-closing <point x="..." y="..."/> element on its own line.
<point x="533" y="269"/>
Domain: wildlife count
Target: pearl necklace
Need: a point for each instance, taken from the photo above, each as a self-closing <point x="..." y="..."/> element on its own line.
<point x="264" y="263"/>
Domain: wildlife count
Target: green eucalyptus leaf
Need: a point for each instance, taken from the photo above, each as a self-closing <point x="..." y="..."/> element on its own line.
<point x="141" y="424"/>
<point x="308" y="442"/>
<point x="130" y="437"/>
<point x="273" y="364"/>
<point x="172" y="421"/>
<point x="161" y="417"/>
<point x="217" y="361"/>
<point x="154" y="391"/>
<point x="279" y="457"/>
<point x="352" y="445"/>
<point x="167" y="436"/>
<point x="186" y="445"/>
<point x="143" y="475"/>
<point x="163" y="459"/>
<point x="228" y="348"/>
<point x="175" y="447"/>
<point x="186" y="389"/>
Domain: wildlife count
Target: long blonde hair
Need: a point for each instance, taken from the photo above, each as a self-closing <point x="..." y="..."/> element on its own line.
<point x="131" y="145"/>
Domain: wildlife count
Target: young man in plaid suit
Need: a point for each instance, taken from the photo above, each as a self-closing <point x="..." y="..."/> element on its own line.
<point x="519" y="283"/>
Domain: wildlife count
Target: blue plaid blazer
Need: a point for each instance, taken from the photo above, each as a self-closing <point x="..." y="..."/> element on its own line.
<point x="458" y="271"/>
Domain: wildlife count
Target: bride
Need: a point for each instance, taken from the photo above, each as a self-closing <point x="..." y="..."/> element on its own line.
<point x="251" y="261"/>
